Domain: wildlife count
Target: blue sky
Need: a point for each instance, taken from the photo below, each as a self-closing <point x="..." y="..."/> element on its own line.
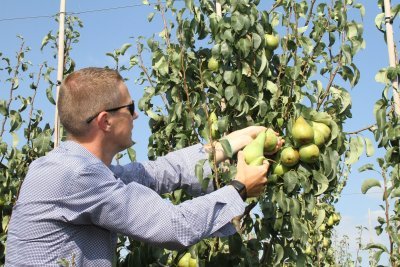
<point x="105" y="31"/>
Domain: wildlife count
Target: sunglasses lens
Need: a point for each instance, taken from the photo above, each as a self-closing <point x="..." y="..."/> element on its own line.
<point x="132" y="108"/>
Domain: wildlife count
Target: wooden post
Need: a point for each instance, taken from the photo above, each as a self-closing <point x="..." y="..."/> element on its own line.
<point x="392" y="54"/>
<point x="60" y="69"/>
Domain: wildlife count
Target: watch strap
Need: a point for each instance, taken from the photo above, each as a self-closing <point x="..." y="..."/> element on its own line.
<point x="240" y="188"/>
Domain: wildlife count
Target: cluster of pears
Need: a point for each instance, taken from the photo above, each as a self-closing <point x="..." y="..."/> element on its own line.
<point x="307" y="137"/>
<point x="264" y="143"/>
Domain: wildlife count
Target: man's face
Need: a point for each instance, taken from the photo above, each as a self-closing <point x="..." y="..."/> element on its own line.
<point x="123" y="121"/>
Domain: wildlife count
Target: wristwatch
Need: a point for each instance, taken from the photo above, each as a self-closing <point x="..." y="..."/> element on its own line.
<point x="240" y="188"/>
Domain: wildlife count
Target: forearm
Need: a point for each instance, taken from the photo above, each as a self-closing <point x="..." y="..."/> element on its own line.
<point x="175" y="170"/>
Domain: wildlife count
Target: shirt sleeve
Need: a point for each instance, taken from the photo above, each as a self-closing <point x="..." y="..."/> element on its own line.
<point x="137" y="211"/>
<point x="167" y="173"/>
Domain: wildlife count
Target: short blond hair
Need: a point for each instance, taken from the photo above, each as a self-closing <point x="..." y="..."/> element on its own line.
<point x="84" y="93"/>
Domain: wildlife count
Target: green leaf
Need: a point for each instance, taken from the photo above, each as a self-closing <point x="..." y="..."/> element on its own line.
<point x="368" y="184"/>
<point x="381" y="76"/>
<point x="322" y="182"/>
<point x="281" y="200"/>
<point x="379" y="21"/>
<point x="237" y="22"/>
<point x="264" y="62"/>
<point x="131" y="154"/>
<point x="279" y="253"/>
<point x="244" y="46"/>
<point x="320" y="218"/>
<point x="231" y="94"/>
<point x="15" y="139"/>
<point x="365" y="167"/>
<point x="361" y="8"/>
<point x="395" y="193"/>
<point x="199" y="170"/>
<point x="369" y="147"/>
<point x="229" y="77"/>
<point x="150" y="16"/>
<point x="49" y="94"/>
<point x="355" y="150"/>
<point x="4" y="223"/>
<point x="376" y="246"/>
<point x="272" y="87"/>
<point x="227" y="147"/>
<point x="257" y="40"/>
<point x="290" y="182"/>
<point x="124" y="47"/>
<point x="45" y="40"/>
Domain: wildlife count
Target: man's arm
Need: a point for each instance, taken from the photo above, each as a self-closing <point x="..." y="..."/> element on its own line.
<point x="177" y="169"/>
<point x="139" y="212"/>
<point x="167" y="173"/>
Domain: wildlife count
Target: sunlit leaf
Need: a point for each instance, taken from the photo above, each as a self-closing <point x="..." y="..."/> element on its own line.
<point x="368" y="184"/>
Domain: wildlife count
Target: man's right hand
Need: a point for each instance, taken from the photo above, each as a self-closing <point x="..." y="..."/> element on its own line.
<point x="253" y="177"/>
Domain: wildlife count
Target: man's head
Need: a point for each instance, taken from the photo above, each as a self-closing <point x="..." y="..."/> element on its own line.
<point x="93" y="97"/>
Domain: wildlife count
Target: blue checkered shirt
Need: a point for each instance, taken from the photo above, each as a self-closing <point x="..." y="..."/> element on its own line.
<point x="71" y="205"/>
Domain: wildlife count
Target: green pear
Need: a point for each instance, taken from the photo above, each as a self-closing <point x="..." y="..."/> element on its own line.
<point x="271" y="140"/>
<point x="330" y="221"/>
<point x="213" y="121"/>
<point x="319" y="138"/>
<point x="255" y="148"/>
<point x="289" y="156"/>
<point x="184" y="261"/>
<point x="309" y="153"/>
<point x="302" y="132"/>
<point x="280" y="169"/>
<point x="258" y="161"/>
<point x="336" y="218"/>
<point x="326" y="242"/>
<point x="192" y="262"/>
<point x="323" y="128"/>
<point x="322" y="228"/>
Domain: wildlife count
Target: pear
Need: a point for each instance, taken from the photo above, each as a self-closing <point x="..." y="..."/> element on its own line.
<point x="323" y="128"/>
<point x="213" y="121"/>
<point x="271" y="140"/>
<point x="258" y="161"/>
<point x="280" y="169"/>
<point x="319" y="138"/>
<point x="309" y="153"/>
<point x="192" y="262"/>
<point x="302" y="132"/>
<point x="330" y="221"/>
<point x="326" y="242"/>
<point x="255" y="148"/>
<point x="289" y="156"/>
<point x="184" y="261"/>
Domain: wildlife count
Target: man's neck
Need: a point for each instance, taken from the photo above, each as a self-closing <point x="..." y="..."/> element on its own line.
<point x="97" y="146"/>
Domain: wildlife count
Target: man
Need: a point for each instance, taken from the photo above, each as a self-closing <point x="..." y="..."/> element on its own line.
<point x="73" y="201"/>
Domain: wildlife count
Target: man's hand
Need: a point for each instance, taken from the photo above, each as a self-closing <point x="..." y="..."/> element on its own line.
<point x="253" y="177"/>
<point x="239" y="139"/>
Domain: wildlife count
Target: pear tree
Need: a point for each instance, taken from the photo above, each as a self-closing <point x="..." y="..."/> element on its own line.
<point x="218" y="68"/>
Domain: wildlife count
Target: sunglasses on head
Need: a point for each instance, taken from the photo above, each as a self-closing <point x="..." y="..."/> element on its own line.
<point x="131" y="108"/>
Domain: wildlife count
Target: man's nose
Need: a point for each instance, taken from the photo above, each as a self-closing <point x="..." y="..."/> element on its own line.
<point x="135" y="116"/>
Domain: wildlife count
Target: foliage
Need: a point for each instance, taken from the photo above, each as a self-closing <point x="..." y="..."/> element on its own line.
<point x="252" y="84"/>
<point x="19" y="116"/>
<point x="387" y="136"/>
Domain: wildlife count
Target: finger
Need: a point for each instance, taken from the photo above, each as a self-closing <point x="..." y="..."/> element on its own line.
<point x="240" y="156"/>
<point x="266" y="165"/>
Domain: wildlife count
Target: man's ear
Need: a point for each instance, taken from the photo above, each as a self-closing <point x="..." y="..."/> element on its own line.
<point x="103" y="121"/>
